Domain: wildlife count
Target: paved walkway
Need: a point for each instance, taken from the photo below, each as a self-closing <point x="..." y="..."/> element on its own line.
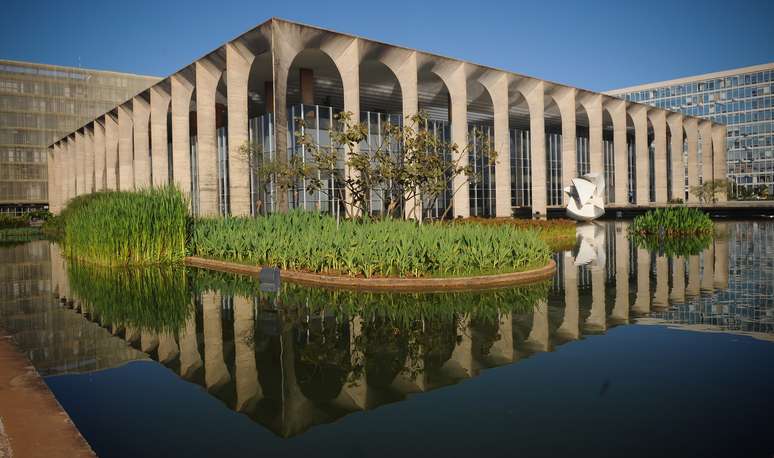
<point x="32" y="423"/>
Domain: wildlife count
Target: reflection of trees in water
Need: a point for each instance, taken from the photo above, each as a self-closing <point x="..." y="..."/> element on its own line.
<point x="322" y="358"/>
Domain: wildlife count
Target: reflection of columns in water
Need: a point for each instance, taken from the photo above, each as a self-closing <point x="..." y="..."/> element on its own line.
<point x="661" y="295"/>
<point x="721" y="258"/>
<point x="501" y="352"/>
<point x="538" y="335"/>
<point x="248" y="389"/>
<point x="168" y="349"/>
<point x="694" y="276"/>
<point x="131" y="334"/>
<point x="190" y="359"/>
<point x="460" y="364"/>
<point x="621" y="309"/>
<point x="215" y="370"/>
<point x="570" y="328"/>
<point x="708" y="269"/>
<point x="642" y="301"/>
<point x="411" y="379"/>
<point x="148" y="341"/>
<point x="596" y="320"/>
<point x="677" y="295"/>
<point x="57" y="270"/>
<point x="354" y="391"/>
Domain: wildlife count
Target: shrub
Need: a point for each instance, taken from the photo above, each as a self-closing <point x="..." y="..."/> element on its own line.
<point x="121" y="228"/>
<point x="313" y="242"/>
<point x="674" y="221"/>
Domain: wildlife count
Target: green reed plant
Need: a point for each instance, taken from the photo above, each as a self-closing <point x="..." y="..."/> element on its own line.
<point x="312" y="242"/>
<point x="126" y="228"/>
<point x="671" y="222"/>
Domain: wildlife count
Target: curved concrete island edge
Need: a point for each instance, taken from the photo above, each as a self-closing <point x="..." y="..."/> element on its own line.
<point x="433" y="284"/>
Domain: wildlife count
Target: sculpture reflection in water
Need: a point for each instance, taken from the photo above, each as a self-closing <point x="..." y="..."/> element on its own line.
<point x="307" y="356"/>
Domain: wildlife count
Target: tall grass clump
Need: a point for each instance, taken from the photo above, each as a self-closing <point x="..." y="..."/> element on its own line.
<point x="672" y="222"/>
<point x="127" y="228"/>
<point x="312" y="242"/>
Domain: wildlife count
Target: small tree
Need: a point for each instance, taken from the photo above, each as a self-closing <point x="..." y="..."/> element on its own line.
<point x="267" y="171"/>
<point x="409" y="167"/>
<point x="708" y="191"/>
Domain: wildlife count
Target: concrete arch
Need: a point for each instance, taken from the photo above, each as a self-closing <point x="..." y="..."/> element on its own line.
<point x="209" y="71"/>
<point x="480" y="119"/>
<point x="402" y="64"/>
<point x="159" y="132"/>
<point x="657" y="119"/>
<point x="532" y="91"/>
<point x="676" y="142"/>
<point x="454" y="77"/>
<point x="617" y="110"/>
<point x="496" y="84"/>
<point x="559" y="121"/>
<point x="141" y="140"/>
<point x="182" y="95"/>
<point x="641" y="165"/>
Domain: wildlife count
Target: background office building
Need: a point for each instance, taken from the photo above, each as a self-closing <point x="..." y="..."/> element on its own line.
<point x="39" y="104"/>
<point x="741" y="98"/>
<point x="188" y="129"/>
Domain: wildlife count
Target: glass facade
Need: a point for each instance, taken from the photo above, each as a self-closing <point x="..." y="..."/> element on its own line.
<point x="40" y="104"/>
<point x="742" y="99"/>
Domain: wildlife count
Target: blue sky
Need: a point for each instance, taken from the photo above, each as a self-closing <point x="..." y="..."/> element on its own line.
<point x="595" y="45"/>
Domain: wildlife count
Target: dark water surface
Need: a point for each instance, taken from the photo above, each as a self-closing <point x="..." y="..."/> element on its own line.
<point x="633" y="353"/>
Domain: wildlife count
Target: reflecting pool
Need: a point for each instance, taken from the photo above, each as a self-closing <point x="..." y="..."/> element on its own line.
<point x="631" y="350"/>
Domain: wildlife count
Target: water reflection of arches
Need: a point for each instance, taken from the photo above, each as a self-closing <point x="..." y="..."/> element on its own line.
<point x="257" y="359"/>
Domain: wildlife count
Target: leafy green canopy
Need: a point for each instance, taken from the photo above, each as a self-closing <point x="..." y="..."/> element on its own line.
<point x="313" y="242"/>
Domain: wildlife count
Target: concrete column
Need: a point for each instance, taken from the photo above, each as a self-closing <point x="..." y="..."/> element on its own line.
<point x="248" y="388"/>
<point x="620" y="312"/>
<point x="111" y="152"/>
<point x="565" y="100"/>
<point x="239" y="60"/>
<point x="159" y="108"/>
<point x="618" y="114"/>
<point x="215" y="371"/>
<point x="719" y="164"/>
<point x="538" y="340"/>
<point x="708" y="271"/>
<point x="207" y="77"/>
<point x="283" y="51"/>
<point x="190" y="359"/>
<point x="593" y="105"/>
<point x="50" y="174"/>
<point x="125" y="149"/>
<point x="99" y="155"/>
<point x="502" y="144"/>
<point x="131" y="334"/>
<point x="642" y="301"/>
<point x="456" y="83"/>
<point x="692" y="138"/>
<point x="661" y="295"/>
<point x="88" y="174"/>
<point x="705" y="133"/>
<point x="675" y="121"/>
<point x="533" y="92"/>
<point x="68" y="171"/>
<point x="658" y="119"/>
<point x="694" y="276"/>
<point x="354" y="393"/>
<point x="677" y="295"/>
<point x="346" y="56"/>
<point x="79" y="163"/>
<point x="570" y="327"/>
<point x="182" y="89"/>
<point x="404" y="66"/>
<point x="140" y="120"/>
<point x="639" y="115"/>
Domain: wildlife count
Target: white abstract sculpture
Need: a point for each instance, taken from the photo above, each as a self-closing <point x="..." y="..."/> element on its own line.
<point x="586" y="197"/>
